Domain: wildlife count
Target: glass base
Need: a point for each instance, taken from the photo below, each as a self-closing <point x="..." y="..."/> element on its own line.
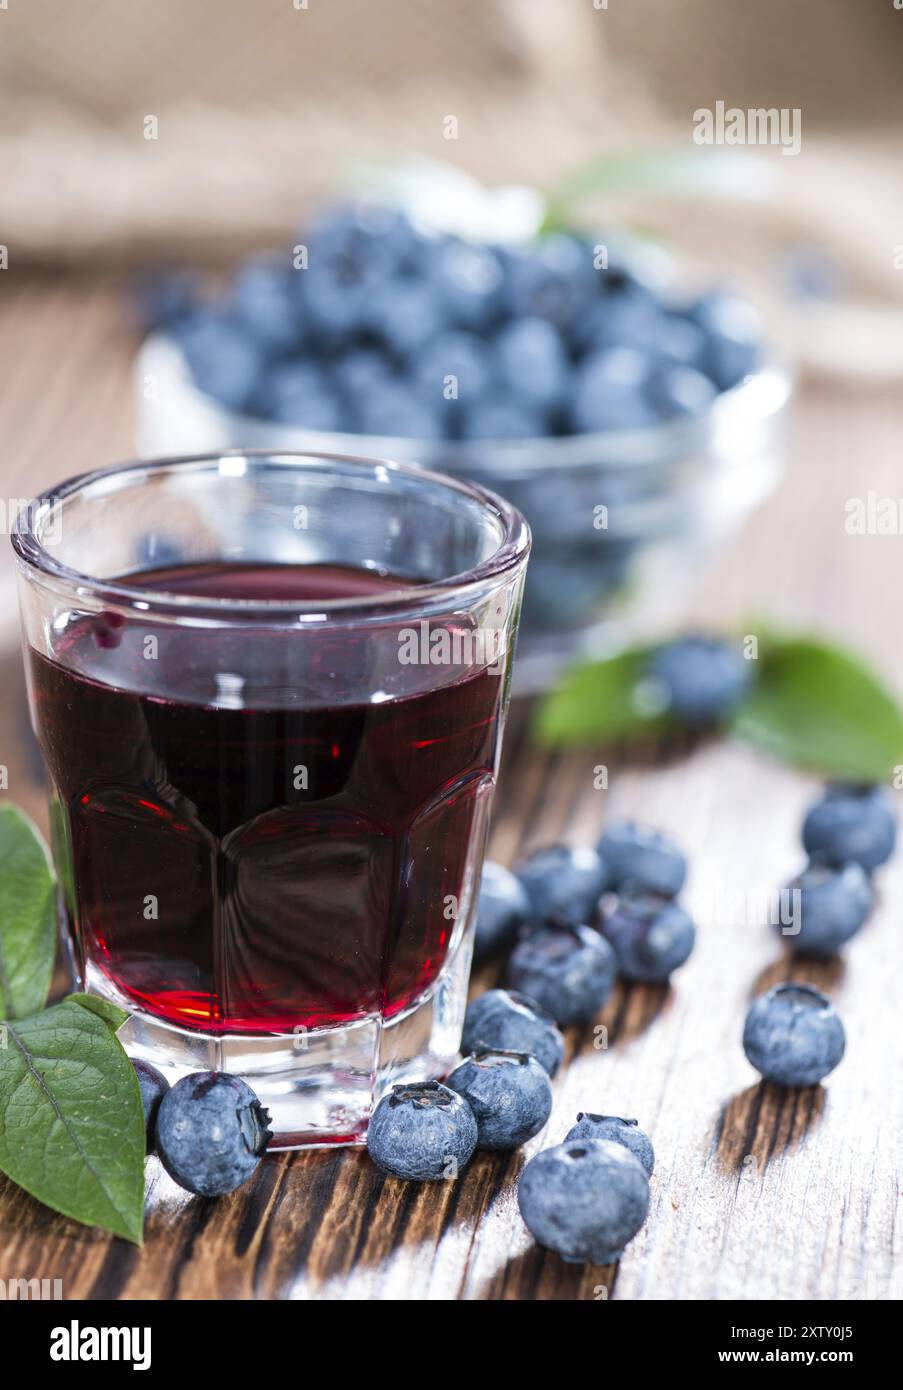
<point x="320" y="1086"/>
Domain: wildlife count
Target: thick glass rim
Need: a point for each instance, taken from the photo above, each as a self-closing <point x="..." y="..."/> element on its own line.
<point x="33" y="556"/>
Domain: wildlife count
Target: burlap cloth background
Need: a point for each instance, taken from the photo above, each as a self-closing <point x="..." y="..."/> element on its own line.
<point x="261" y="105"/>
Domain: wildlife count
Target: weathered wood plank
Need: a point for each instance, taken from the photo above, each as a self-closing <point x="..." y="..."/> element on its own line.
<point x="758" y="1194"/>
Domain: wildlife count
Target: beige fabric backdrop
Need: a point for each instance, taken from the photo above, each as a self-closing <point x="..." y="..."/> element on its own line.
<point x="261" y="106"/>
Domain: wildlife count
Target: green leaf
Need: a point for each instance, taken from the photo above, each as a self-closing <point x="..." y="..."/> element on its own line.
<point x="817" y="705"/>
<point x="713" y="172"/>
<point x="112" y="1015"/>
<point x="27" y="916"/>
<point x="71" y="1119"/>
<point x="602" y="700"/>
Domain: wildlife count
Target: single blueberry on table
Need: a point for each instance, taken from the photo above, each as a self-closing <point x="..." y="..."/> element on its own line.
<point x="569" y="970"/>
<point x="506" y="1021"/>
<point x="586" y="1199"/>
<point x="423" y="1131"/>
<point x="651" y="936"/>
<point x="642" y="859"/>
<point x="502" y="909"/>
<point x="563" y="884"/>
<point x="832" y="906"/>
<point x="153" y="1087"/>
<point x="211" y="1132"/>
<point x="619" y="1131"/>
<point x="793" y="1035"/>
<point x="703" y="679"/>
<point x="851" y="824"/>
<point x="509" y="1094"/>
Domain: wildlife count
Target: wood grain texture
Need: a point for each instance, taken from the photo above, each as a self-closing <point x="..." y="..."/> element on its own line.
<point x="758" y="1193"/>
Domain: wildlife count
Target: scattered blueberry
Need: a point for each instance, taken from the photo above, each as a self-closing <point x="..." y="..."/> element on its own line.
<point x="422" y="1131"/>
<point x="618" y="1131"/>
<point x="506" y="1021"/>
<point x="651" y="936"/>
<point x="851" y="824"/>
<point x="833" y="904"/>
<point x="642" y="859"/>
<point x="793" y="1035"/>
<point x="211" y="1132"/>
<point x="585" y="1199"/>
<point x="502" y="908"/>
<point x="509" y="1094"/>
<point x="563" y="884"/>
<point x="153" y="1087"/>
<point x="703" y="678"/>
<point x="569" y="970"/>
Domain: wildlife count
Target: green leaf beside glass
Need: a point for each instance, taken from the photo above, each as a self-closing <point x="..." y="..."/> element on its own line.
<point x="71" y="1118"/>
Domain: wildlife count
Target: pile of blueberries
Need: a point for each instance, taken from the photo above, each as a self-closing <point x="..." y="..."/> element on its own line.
<point x="363" y="325"/>
<point x="575" y="918"/>
<point x="572" y="919"/>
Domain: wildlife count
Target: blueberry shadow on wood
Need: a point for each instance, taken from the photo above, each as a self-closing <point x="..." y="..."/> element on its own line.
<point x="626" y="1016"/>
<point x="826" y="974"/>
<point x="763" y="1123"/>
<point x="539" y="1275"/>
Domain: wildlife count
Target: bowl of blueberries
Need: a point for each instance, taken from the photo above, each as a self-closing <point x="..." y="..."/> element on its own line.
<point x="634" y="423"/>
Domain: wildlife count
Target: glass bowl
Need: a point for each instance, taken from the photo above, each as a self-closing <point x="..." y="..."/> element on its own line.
<point x="623" y="522"/>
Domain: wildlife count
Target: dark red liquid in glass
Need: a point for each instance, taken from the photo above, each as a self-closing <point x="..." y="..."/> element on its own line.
<point x="211" y="882"/>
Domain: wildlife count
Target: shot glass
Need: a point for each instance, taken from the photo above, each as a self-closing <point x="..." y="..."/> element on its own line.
<point x="270" y="691"/>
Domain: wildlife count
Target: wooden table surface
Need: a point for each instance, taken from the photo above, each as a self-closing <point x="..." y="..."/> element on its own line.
<point x="758" y="1193"/>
